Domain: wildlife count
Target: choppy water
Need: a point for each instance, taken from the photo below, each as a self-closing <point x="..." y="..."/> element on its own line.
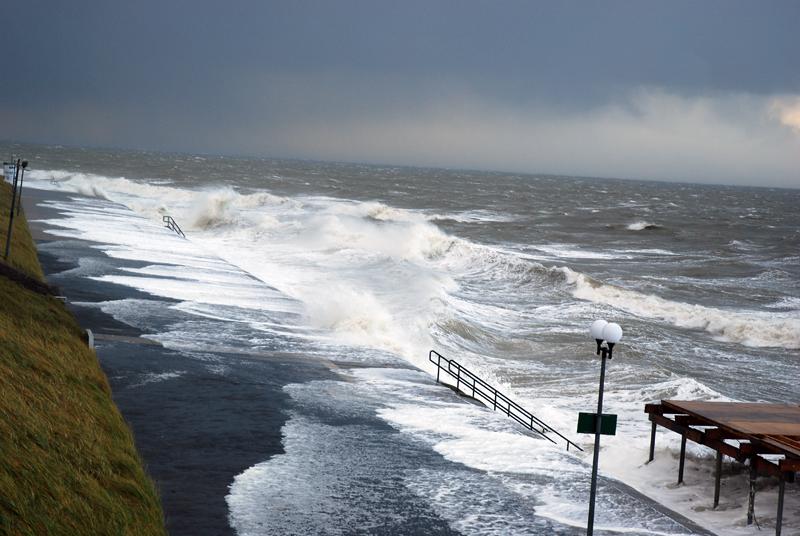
<point x="503" y="272"/>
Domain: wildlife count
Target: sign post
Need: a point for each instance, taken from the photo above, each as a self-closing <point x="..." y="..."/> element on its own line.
<point x="9" y="169"/>
<point x="587" y="423"/>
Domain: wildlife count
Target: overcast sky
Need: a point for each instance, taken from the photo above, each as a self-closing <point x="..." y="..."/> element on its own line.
<point x="697" y="91"/>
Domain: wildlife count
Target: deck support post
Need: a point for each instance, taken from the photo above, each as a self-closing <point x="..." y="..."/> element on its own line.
<point x="781" y="489"/>
<point x="652" y="442"/>
<point x="751" y="496"/>
<point x="683" y="459"/>
<point x="717" y="477"/>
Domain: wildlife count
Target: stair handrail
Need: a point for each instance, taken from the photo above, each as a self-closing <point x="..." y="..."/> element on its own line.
<point x="172" y="225"/>
<point x="492" y="396"/>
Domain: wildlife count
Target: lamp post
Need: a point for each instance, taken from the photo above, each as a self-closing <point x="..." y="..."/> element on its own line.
<point x="21" y="179"/>
<point x="611" y="333"/>
<point x="11" y="213"/>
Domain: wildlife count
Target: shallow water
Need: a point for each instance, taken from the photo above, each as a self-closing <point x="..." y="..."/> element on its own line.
<point x="502" y="272"/>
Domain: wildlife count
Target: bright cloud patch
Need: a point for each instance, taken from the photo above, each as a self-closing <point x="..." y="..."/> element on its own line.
<point x="787" y="110"/>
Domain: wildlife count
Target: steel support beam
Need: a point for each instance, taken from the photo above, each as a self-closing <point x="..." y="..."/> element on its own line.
<point x="779" y="519"/>
<point x="717" y="477"/>
<point x="652" y="442"/>
<point x="682" y="460"/>
<point x="751" y="495"/>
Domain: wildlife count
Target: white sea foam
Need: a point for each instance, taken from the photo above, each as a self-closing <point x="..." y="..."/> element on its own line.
<point x="789" y="303"/>
<point x="749" y="328"/>
<point x="641" y="225"/>
<point x="474" y="216"/>
<point x="648" y="251"/>
<point x="158" y="377"/>
<point x="571" y="252"/>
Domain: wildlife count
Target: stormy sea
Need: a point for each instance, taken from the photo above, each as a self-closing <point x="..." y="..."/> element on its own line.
<point x="373" y="266"/>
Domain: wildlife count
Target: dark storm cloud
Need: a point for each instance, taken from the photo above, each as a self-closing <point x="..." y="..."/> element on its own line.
<point x="260" y="76"/>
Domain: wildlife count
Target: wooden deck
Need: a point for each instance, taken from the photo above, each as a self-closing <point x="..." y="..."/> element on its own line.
<point x="766" y="436"/>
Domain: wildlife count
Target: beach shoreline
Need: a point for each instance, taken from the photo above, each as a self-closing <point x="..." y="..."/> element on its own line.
<point x="195" y="432"/>
<point x="197" y="429"/>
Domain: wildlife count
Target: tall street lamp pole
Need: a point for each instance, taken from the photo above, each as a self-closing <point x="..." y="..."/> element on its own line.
<point x="11" y="214"/>
<point x="611" y="333"/>
<point x="21" y="179"/>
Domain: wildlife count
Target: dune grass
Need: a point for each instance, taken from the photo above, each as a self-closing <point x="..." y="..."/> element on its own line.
<point x="22" y="254"/>
<point x="68" y="464"/>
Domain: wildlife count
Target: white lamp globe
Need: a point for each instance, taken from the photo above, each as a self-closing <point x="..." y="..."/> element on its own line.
<point x="612" y="333"/>
<point x="597" y="329"/>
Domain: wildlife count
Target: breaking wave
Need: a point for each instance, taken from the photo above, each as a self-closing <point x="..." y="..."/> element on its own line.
<point x="642" y="226"/>
<point x="748" y="328"/>
<point x="377" y="230"/>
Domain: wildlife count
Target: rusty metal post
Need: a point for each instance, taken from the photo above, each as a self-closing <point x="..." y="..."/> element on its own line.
<point x="751" y="496"/>
<point x="717" y="476"/>
<point x="781" y="489"/>
<point x="652" y="442"/>
<point x="683" y="459"/>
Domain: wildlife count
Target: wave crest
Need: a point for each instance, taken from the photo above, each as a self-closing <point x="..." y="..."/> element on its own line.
<point x="642" y="226"/>
<point x="748" y="328"/>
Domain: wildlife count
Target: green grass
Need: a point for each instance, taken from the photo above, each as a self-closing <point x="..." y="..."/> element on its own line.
<point x="68" y="464"/>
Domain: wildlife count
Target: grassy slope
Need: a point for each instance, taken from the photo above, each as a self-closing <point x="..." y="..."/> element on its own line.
<point x="68" y="464"/>
<point x="22" y="254"/>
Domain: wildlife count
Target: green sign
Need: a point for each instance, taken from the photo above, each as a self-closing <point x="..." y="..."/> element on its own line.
<point x="587" y="423"/>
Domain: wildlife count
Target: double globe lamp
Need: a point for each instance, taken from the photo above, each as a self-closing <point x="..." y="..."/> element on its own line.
<point x="611" y="334"/>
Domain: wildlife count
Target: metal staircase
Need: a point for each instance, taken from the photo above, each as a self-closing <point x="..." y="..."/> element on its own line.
<point x="471" y="385"/>
<point x="172" y="225"/>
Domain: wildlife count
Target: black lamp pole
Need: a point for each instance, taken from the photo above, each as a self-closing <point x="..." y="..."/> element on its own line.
<point x="604" y="353"/>
<point x="11" y="215"/>
<point x="21" y="179"/>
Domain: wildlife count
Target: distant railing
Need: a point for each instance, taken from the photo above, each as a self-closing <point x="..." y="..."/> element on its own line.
<point x="172" y="225"/>
<point x="469" y="383"/>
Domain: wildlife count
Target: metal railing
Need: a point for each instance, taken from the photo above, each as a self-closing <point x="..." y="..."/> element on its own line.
<point x="172" y="225"/>
<point x="470" y="384"/>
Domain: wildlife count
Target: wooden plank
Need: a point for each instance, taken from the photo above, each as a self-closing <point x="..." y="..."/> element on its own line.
<point x="688" y="420"/>
<point x="653" y="408"/>
<point x="789" y="464"/>
<point x="697" y="436"/>
<point x="769" y="428"/>
<point x="729" y="412"/>
<point x="721" y="433"/>
<point x="762" y="466"/>
<point x="790" y="447"/>
<point x="766" y="427"/>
